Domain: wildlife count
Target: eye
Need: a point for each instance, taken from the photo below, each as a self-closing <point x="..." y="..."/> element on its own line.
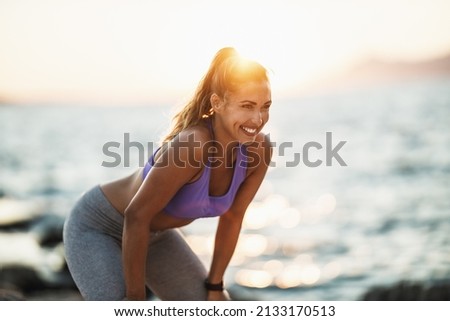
<point x="247" y="106"/>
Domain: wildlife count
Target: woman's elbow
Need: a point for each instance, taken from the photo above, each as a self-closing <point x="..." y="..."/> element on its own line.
<point x="136" y="216"/>
<point x="232" y="217"/>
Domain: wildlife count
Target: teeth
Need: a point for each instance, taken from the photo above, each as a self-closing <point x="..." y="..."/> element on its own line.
<point x="249" y="130"/>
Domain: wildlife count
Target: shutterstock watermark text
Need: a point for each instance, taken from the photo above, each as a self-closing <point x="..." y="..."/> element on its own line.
<point x="292" y="155"/>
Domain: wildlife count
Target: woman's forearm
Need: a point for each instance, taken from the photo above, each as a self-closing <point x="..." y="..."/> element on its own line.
<point x="134" y="252"/>
<point x="226" y="239"/>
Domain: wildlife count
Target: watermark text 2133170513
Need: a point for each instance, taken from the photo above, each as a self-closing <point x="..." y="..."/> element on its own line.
<point x="119" y="154"/>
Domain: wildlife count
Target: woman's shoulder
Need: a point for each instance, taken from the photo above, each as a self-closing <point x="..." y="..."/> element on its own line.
<point x="198" y="133"/>
<point x="189" y="144"/>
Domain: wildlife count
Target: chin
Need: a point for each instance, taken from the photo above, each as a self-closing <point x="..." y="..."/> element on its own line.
<point x="247" y="140"/>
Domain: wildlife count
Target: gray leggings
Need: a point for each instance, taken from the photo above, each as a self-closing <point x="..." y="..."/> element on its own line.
<point x="93" y="248"/>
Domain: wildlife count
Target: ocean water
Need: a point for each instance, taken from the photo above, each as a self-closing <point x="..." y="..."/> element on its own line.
<point x="312" y="233"/>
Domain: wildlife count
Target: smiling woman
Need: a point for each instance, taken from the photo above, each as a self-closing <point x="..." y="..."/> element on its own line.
<point x="122" y="236"/>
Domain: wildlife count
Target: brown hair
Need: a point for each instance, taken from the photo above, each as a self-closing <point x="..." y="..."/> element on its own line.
<point x="227" y="72"/>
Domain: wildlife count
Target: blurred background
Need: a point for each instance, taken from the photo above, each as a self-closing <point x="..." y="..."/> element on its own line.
<point x="75" y="75"/>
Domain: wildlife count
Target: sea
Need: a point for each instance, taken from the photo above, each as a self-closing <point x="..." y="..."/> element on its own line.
<point x="357" y="194"/>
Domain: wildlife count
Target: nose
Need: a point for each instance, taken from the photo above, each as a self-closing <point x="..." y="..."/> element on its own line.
<point x="257" y="118"/>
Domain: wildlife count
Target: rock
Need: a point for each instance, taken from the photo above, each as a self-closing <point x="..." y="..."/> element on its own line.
<point x="32" y="253"/>
<point x="28" y="279"/>
<point x="11" y="295"/>
<point x="410" y="291"/>
<point x="48" y="230"/>
<point x="55" y="295"/>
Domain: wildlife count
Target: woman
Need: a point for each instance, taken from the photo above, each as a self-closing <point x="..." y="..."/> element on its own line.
<point x="122" y="236"/>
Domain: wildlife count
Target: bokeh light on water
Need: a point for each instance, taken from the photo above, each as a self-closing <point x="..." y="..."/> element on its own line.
<point x="294" y="268"/>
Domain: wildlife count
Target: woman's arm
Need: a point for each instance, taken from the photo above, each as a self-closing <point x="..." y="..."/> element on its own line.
<point x="174" y="168"/>
<point x="230" y="223"/>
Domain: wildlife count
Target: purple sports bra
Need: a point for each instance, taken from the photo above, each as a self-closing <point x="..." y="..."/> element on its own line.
<point x="193" y="200"/>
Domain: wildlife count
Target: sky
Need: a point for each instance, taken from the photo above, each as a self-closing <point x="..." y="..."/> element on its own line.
<point x="140" y="52"/>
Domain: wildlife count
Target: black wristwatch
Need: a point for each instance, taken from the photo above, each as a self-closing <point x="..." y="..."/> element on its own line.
<point x="213" y="286"/>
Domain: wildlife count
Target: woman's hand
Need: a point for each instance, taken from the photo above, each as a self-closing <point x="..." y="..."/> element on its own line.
<point x="218" y="296"/>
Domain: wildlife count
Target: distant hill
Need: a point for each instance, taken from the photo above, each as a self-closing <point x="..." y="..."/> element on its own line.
<point x="4" y="101"/>
<point x="374" y="72"/>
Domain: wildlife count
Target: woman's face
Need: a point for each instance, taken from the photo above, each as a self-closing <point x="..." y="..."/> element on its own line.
<point x="243" y="113"/>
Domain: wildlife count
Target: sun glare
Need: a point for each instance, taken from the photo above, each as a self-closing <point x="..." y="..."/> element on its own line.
<point x="128" y="52"/>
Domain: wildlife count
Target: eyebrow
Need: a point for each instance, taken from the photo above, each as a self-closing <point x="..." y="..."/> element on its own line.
<point x="254" y="103"/>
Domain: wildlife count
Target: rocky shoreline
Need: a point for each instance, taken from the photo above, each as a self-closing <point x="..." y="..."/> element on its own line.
<point x="410" y="291"/>
<point x="32" y="253"/>
<point x="33" y="267"/>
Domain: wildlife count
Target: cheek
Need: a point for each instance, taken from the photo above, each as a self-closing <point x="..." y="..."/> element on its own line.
<point x="238" y="114"/>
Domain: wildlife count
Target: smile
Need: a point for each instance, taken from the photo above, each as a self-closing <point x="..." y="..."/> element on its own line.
<point x="249" y="130"/>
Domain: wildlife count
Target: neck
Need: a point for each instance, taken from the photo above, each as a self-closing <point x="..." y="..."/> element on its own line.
<point x="224" y="143"/>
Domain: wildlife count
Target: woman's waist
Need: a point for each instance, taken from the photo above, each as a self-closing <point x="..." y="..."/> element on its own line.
<point x="163" y="221"/>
